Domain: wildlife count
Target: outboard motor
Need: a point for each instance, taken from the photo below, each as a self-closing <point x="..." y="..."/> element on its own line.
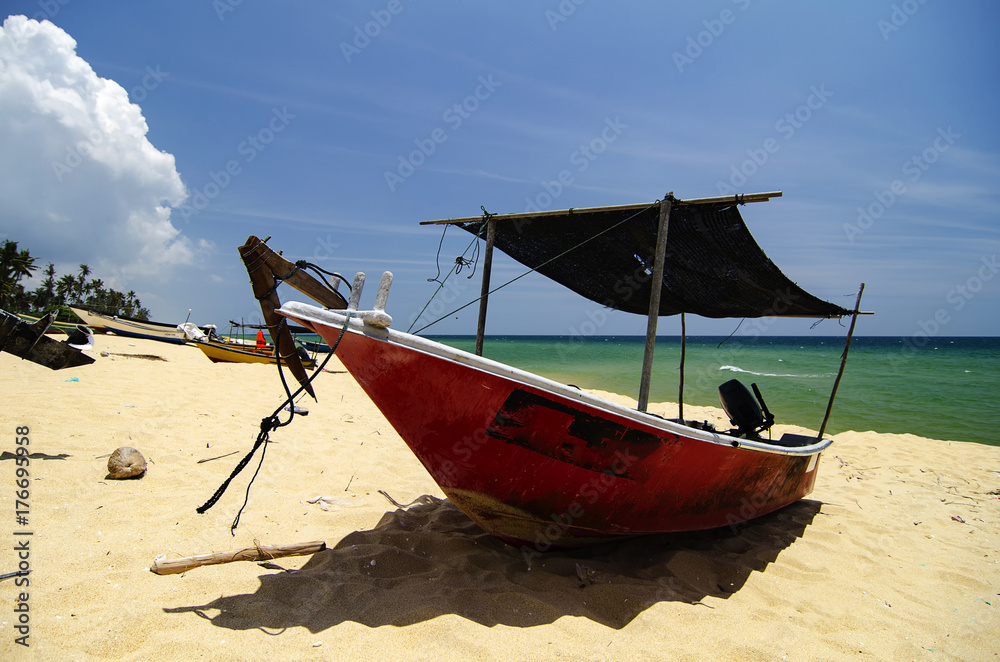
<point x="81" y="337"/>
<point x="743" y="410"/>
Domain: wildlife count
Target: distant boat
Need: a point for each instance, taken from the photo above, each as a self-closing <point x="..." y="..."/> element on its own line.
<point x="131" y="327"/>
<point x="28" y="341"/>
<point x="55" y="327"/>
<point x="314" y="347"/>
<point x="224" y="351"/>
<point x="541" y="464"/>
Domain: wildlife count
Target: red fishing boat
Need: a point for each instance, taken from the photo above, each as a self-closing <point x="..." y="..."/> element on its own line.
<point x="541" y="464"/>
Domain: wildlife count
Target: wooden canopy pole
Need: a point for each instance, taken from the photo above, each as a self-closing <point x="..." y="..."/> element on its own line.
<point x="734" y="199"/>
<point x="654" y="299"/>
<point x="843" y="362"/>
<point x="680" y="388"/>
<point x="491" y="233"/>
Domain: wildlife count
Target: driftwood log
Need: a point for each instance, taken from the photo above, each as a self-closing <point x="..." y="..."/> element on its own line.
<point x="162" y="566"/>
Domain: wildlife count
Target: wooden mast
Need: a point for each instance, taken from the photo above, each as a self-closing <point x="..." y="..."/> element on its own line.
<point x="491" y="233"/>
<point x="843" y="362"/>
<point x="680" y="387"/>
<point x="656" y="285"/>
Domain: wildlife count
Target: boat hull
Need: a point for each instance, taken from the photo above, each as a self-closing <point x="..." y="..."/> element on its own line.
<point x="541" y="465"/>
<point x="28" y="341"/>
<point x="315" y="347"/>
<point x="131" y="328"/>
<point x="64" y="328"/>
<point x="226" y="353"/>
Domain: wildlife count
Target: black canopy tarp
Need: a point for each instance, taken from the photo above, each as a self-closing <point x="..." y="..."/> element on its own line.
<point x="713" y="266"/>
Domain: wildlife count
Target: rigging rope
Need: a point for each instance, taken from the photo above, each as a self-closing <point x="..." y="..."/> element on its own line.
<point x="460" y="262"/>
<point x="551" y="259"/>
<point x="726" y="339"/>
<point x="299" y="265"/>
<point x="272" y="422"/>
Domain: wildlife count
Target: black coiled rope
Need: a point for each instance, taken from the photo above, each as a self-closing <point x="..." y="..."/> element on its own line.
<point x="303" y="264"/>
<point x="266" y="425"/>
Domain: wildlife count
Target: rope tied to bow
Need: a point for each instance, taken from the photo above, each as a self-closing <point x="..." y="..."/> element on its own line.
<point x="267" y="425"/>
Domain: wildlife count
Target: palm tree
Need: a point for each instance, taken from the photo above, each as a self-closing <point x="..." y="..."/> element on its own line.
<point x="80" y="287"/>
<point x="52" y="293"/>
<point x="20" y="300"/>
<point x="64" y="289"/>
<point x="8" y="257"/>
<point x="46" y="292"/>
<point x="95" y="290"/>
<point x="24" y="264"/>
<point x="128" y="303"/>
<point x="14" y="265"/>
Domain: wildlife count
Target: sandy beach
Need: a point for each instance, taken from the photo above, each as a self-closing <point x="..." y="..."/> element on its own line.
<point x="895" y="555"/>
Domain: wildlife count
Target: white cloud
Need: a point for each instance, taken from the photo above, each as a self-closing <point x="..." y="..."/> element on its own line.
<point x="79" y="180"/>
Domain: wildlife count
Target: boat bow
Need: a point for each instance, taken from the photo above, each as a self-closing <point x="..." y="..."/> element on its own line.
<point x="267" y="270"/>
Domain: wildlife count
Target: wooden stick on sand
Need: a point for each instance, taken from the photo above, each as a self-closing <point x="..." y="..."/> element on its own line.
<point x="163" y="566"/>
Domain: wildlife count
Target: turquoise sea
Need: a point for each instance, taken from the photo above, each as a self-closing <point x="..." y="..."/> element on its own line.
<point x="940" y="388"/>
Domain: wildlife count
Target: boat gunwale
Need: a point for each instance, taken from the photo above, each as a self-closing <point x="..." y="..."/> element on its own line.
<point x="310" y="313"/>
<point x="57" y="325"/>
<point x="148" y="325"/>
<point x="247" y="351"/>
<point x="151" y="335"/>
<point x="128" y="328"/>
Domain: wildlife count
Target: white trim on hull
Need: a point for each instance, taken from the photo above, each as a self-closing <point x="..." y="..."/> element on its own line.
<point x="336" y="319"/>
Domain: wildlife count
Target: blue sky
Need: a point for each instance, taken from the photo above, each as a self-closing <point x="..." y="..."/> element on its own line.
<point x="170" y="131"/>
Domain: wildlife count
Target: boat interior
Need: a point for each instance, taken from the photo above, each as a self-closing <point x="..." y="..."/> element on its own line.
<point x="749" y="415"/>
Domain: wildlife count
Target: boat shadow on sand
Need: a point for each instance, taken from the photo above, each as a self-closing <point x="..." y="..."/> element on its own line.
<point x="430" y="560"/>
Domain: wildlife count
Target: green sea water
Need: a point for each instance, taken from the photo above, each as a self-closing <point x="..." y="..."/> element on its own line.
<point x="940" y="388"/>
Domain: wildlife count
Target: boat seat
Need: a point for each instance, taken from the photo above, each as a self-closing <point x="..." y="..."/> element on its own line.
<point x="743" y="410"/>
<point x="792" y="440"/>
